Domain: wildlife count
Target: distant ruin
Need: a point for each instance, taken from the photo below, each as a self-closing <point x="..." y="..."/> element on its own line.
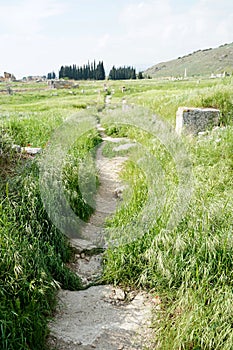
<point x="8" y="77"/>
<point x="62" y="84"/>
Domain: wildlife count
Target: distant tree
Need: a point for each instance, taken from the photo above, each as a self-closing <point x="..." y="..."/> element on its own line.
<point x="69" y="72"/>
<point x="133" y="73"/>
<point x="140" y="75"/>
<point x="91" y="72"/>
<point x="103" y="76"/>
<point x="94" y="70"/>
<point x="112" y="74"/>
<point x="74" y="72"/>
<point x="61" y="72"/>
<point x="51" y="76"/>
<point x="100" y="72"/>
<point x="122" y="73"/>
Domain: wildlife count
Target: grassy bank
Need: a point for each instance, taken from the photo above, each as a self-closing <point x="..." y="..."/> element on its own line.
<point x="189" y="266"/>
<point x="33" y="252"/>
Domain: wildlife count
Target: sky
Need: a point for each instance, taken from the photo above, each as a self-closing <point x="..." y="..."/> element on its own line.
<point x="37" y="37"/>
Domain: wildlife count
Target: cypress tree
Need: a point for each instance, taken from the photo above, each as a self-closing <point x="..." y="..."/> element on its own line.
<point x="122" y="73"/>
<point x="94" y="70"/>
<point x="61" y="72"/>
<point x="140" y="75"/>
<point x="88" y="71"/>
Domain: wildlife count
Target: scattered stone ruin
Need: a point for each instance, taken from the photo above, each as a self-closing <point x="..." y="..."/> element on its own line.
<point x="194" y="120"/>
<point x="62" y="84"/>
<point x="7" y="77"/>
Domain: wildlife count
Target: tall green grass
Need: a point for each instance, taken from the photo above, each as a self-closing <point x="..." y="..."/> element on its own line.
<point x="189" y="267"/>
<point x="33" y="256"/>
<point x="33" y="252"/>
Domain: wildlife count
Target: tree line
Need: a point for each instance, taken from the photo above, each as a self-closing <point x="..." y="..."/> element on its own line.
<point x="122" y="73"/>
<point x="89" y="71"/>
<point x="93" y="71"/>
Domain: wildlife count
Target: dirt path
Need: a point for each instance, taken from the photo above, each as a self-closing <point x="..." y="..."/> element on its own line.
<point x="100" y="317"/>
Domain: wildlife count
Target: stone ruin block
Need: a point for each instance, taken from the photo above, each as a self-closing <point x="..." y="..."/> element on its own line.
<point x="194" y="120"/>
<point x="62" y="84"/>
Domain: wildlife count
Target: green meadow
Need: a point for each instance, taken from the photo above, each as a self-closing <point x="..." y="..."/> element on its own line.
<point x="187" y="266"/>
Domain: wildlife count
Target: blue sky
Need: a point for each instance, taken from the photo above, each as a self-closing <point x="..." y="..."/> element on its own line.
<point x="39" y="36"/>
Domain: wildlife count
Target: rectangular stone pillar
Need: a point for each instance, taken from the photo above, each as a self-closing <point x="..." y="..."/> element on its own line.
<point x="193" y="120"/>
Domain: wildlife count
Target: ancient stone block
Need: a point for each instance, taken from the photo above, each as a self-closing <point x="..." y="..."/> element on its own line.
<point x="62" y="84"/>
<point x="193" y="120"/>
<point x="9" y="77"/>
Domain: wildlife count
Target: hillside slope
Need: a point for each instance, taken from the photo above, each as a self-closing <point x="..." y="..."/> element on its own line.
<point x="199" y="63"/>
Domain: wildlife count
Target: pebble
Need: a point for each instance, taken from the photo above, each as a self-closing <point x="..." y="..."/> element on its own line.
<point x="119" y="294"/>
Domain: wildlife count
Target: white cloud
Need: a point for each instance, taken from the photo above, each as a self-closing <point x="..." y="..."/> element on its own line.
<point x="165" y="33"/>
<point x="25" y="16"/>
<point x="104" y="40"/>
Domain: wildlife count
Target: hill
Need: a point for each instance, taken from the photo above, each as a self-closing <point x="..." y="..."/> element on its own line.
<point x="199" y="63"/>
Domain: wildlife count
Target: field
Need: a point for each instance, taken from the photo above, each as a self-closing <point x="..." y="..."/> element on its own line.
<point x="174" y="228"/>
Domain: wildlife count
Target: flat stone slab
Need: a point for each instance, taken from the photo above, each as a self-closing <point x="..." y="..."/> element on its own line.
<point x="31" y="150"/>
<point x="115" y="139"/>
<point x="98" y="318"/>
<point x="88" y="268"/>
<point x="80" y="245"/>
<point x="28" y="150"/>
<point x="100" y="127"/>
<point x="194" y="120"/>
<point x="124" y="147"/>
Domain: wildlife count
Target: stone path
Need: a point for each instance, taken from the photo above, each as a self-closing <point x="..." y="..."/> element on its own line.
<point x="101" y="317"/>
